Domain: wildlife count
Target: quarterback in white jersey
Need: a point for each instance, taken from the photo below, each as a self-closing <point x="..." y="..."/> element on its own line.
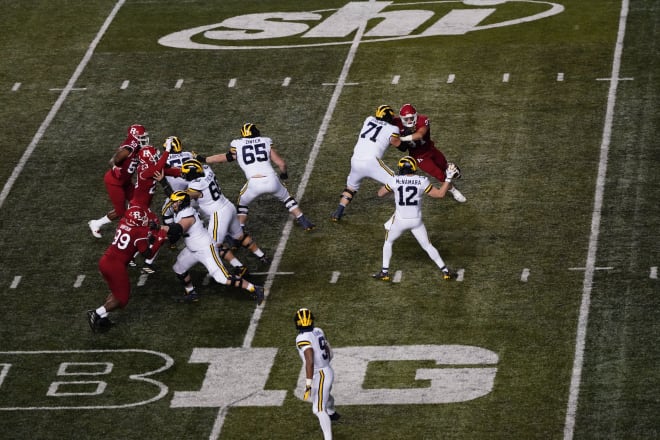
<point x="409" y="190"/>
<point x="254" y="154"/>
<point x="200" y="249"/>
<point x="316" y="354"/>
<point x="221" y="213"/>
<point x="377" y="134"/>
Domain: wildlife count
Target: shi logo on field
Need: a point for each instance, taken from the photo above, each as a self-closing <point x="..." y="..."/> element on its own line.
<point x="382" y="21"/>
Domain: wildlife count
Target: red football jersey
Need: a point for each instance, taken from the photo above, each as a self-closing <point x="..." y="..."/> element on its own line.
<point x="426" y="142"/>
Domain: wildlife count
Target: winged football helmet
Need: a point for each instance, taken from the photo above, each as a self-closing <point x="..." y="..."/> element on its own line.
<point x="408" y="115"/>
<point x="304" y="319"/>
<point x="176" y="144"/>
<point x="136" y="216"/>
<point x="140" y="133"/>
<point x="192" y="169"/>
<point x="407" y="165"/>
<point x="179" y="196"/>
<point x="249" y="130"/>
<point x="385" y="113"/>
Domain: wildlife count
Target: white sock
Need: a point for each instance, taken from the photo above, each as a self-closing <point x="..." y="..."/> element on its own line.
<point x="102" y="312"/>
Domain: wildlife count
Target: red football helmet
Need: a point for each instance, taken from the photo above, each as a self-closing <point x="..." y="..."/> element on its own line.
<point x="148" y="155"/>
<point x="140" y="133"/>
<point x="136" y="216"/>
<point x="408" y="115"/>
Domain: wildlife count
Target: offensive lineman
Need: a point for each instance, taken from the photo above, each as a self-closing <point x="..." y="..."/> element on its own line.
<point x="254" y="153"/>
<point x="409" y="189"/>
<point x="200" y="249"/>
<point x="316" y="354"/>
<point x="376" y="135"/>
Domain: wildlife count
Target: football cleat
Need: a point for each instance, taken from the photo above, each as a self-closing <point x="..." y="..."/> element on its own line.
<point x="95" y="228"/>
<point x="132" y="263"/>
<point x="264" y="260"/>
<point x="258" y="294"/>
<point x="456" y="194"/>
<point x="305" y="223"/>
<point x="148" y="269"/>
<point x="448" y="275"/>
<point x="98" y="324"/>
<point x="188" y="297"/>
<point x="337" y="214"/>
<point x="334" y="416"/>
<point x="383" y="276"/>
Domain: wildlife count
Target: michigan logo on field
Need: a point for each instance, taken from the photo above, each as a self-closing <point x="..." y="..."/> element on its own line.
<point x="378" y="20"/>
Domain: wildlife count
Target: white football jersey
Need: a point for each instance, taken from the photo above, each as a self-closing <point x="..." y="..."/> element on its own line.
<point x="212" y="199"/>
<point x="197" y="237"/>
<point x="253" y="156"/>
<point x="314" y="339"/>
<point x="409" y="193"/>
<point x="374" y="138"/>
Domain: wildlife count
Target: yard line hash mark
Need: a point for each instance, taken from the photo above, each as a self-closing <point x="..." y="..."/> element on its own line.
<point x="654" y="273"/>
<point x="395" y="79"/>
<point x="286" y="81"/>
<point x="15" y="87"/>
<point x="125" y="84"/>
<point x="451" y="78"/>
<point x="232" y="83"/>
<point x="15" y="282"/>
<point x="397" y="276"/>
<point x="79" y="281"/>
<point x="335" y="277"/>
<point x="525" y="275"/>
<point x="179" y="83"/>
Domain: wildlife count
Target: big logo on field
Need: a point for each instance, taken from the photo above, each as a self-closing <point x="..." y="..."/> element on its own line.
<point x="378" y="20"/>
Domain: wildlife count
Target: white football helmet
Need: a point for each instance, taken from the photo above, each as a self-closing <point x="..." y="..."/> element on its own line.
<point x="408" y="115"/>
<point x="140" y="133"/>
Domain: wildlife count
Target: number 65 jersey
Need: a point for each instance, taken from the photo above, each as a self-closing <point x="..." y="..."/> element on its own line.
<point x="314" y="339"/>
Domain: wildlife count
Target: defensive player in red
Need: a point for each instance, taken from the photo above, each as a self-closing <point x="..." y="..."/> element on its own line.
<point x="134" y="234"/>
<point x="150" y="163"/>
<point x="119" y="178"/>
<point x="416" y="138"/>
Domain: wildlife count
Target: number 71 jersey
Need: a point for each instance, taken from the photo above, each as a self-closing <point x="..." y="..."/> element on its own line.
<point x="374" y="138"/>
<point x="314" y="339"/>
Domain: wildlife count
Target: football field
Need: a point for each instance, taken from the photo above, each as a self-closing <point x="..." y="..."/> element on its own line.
<point x="550" y="108"/>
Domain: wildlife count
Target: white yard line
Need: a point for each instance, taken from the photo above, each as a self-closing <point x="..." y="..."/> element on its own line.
<point x="58" y="104"/>
<point x="571" y="410"/>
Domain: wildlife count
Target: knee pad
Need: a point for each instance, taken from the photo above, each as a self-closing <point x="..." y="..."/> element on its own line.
<point x="350" y="195"/>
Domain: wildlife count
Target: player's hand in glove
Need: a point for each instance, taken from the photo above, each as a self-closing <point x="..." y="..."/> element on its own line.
<point x="308" y="389"/>
<point x="284" y="175"/>
<point x="168" y="144"/>
<point x="452" y="172"/>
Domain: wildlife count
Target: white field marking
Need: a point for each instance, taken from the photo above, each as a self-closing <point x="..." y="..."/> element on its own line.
<point x="125" y="84"/>
<point x="525" y="275"/>
<point x="15" y="282"/>
<point x="395" y="79"/>
<point x="232" y="83"/>
<point x="505" y="78"/>
<point x="615" y="79"/>
<point x="3" y="372"/>
<point x="451" y="78"/>
<point x="335" y="277"/>
<point x="581" y="333"/>
<point x="15" y="87"/>
<point x="398" y="275"/>
<point x="18" y="169"/>
<point x="654" y="273"/>
<point x="79" y="281"/>
<point x="593" y="268"/>
<point x="179" y="83"/>
<point x="336" y="84"/>
<point x="460" y="274"/>
<point x="72" y="89"/>
<point x="163" y="389"/>
<point x="286" y="81"/>
<point x="560" y="76"/>
<point x="142" y="280"/>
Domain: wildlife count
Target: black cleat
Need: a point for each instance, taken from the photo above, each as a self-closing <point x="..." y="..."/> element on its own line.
<point x="383" y="276"/>
<point x="305" y="223"/>
<point x="188" y="297"/>
<point x="98" y="324"/>
<point x="334" y="416"/>
<point x="258" y="294"/>
<point x="264" y="260"/>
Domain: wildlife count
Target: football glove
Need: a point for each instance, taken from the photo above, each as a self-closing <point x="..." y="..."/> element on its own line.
<point x="452" y="172"/>
<point x="168" y="144"/>
<point x="284" y="175"/>
<point x="308" y="392"/>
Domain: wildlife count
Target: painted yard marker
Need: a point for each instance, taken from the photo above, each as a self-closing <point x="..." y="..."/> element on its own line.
<point x="334" y="277"/>
<point x="286" y="81"/>
<point x="397" y="276"/>
<point x="505" y="78"/>
<point x="232" y="83"/>
<point x="179" y="83"/>
<point x="79" y="281"/>
<point x="395" y="79"/>
<point x="460" y="274"/>
<point x="560" y="76"/>
<point x="125" y="84"/>
<point x="15" y="87"/>
<point x="654" y="273"/>
<point x="15" y="282"/>
<point x="525" y="275"/>
<point x="451" y="78"/>
<point x="143" y="279"/>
